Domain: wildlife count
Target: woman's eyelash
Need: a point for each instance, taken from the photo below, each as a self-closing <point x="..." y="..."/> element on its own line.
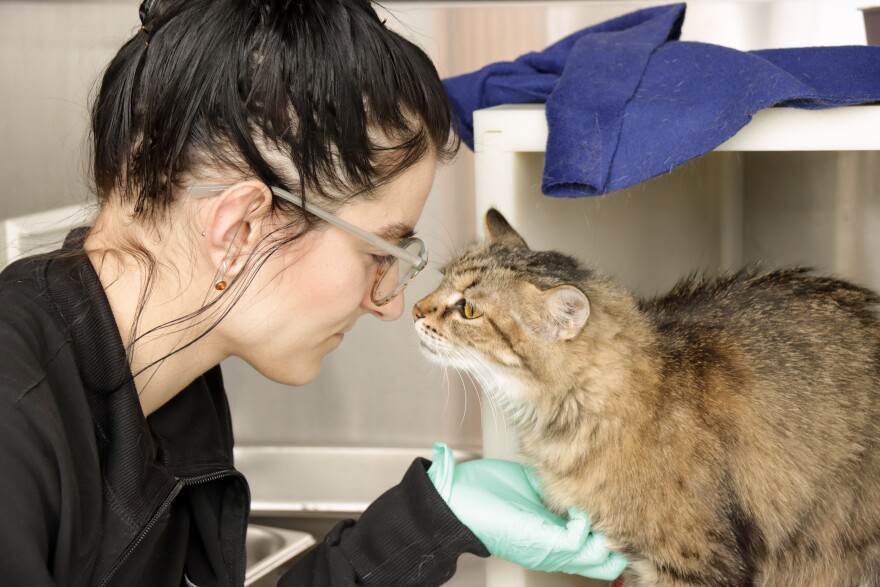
<point x="383" y="259"/>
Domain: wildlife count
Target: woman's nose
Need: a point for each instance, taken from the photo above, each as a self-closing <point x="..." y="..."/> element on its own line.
<point x="390" y="311"/>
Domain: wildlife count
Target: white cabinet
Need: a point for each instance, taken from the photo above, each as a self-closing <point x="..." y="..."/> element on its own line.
<point x="792" y="187"/>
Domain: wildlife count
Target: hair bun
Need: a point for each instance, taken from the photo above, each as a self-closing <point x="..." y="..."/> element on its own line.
<point x="144" y="11"/>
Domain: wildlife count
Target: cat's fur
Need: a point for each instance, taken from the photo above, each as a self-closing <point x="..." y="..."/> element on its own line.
<point x="726" y="434"/>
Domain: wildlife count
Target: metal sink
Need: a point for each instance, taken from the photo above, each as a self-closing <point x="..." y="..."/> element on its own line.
<point x="269" y="548"/>
<point x="311" y="489"/>
<point x="304" y="480"/>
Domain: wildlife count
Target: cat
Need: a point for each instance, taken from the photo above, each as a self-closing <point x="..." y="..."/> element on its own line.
<point x="726" y="434"/>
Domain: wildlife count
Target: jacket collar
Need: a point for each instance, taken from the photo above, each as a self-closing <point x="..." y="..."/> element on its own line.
<point x="192" y="433"/>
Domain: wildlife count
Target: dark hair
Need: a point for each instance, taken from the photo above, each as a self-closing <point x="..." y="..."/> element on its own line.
<point x="347" y="103"/>
<point x="350" y="103"/>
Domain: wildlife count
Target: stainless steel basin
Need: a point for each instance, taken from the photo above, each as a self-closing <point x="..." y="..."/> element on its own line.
<point x="268" y="549"/>
<point x="297" y="480"/>
<point x="312" y="488"/>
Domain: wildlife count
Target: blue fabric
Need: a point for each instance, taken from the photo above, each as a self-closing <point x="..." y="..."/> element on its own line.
<point x="627" y="101"/>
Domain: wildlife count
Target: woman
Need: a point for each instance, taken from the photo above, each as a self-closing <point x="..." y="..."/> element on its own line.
<point x="260" y="167"/>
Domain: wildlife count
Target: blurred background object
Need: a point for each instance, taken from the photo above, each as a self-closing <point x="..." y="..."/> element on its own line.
<point x="872" y="24"/>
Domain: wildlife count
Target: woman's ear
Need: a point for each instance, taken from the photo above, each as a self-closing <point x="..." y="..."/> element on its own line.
<point x="233" y="224"/>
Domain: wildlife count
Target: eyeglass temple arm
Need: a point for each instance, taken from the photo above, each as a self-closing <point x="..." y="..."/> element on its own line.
<point x="414" y="260"/>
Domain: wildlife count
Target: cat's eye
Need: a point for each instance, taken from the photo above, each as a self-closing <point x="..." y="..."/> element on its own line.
<point x="468" y="310"/>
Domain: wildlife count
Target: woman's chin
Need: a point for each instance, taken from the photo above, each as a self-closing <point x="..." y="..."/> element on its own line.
<point x="304" y="369"/>
<point x="304" y="373"/>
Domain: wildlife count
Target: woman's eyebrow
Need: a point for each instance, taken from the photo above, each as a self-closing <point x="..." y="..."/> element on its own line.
<point x="395" y="231"/>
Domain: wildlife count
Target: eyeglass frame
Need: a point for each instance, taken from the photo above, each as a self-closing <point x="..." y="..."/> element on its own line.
<point x="417" y="262"/>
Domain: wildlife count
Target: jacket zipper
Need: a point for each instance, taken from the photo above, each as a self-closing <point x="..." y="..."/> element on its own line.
<point x="181" y="483"/>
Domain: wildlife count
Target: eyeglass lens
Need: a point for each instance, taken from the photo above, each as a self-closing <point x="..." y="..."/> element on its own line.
<point x="394" y="276"/>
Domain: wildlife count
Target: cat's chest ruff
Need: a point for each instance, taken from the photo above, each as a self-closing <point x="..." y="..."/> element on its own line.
<point x="501" y="386"/>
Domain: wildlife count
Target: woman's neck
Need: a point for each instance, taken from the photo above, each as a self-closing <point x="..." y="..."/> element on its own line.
<point x="156" y="306"/>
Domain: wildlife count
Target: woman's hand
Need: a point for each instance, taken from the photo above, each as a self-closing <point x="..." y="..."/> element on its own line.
<point x="500" y="502"/>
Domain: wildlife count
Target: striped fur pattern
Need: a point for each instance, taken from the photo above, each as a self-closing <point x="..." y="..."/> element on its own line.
<point x="726" y="434"/>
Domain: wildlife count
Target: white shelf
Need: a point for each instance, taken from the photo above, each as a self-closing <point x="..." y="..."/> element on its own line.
<point x="523" y="128"/>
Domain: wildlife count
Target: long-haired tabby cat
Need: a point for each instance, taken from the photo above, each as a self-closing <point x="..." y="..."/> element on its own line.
<point x="726" y="434"/>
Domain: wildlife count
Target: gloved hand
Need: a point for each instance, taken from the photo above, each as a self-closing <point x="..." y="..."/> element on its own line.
<point x="500" y="502"/>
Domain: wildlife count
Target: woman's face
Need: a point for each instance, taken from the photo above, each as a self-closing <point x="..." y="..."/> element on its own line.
<point x="309" y="294"/>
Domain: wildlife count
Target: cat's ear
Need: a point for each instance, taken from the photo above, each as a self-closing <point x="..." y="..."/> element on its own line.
<point x="499" y="230"/>
<point x="567" y="309"/>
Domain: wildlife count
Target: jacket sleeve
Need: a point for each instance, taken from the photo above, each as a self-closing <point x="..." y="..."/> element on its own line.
<point x="26" y="512"/>
<point x="408" y="537"/>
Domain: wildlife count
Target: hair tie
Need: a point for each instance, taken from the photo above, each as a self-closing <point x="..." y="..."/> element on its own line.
<point x="146" y="32"/>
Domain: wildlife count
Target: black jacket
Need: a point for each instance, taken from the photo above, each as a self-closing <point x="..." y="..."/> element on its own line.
<point x="92" y="493"/>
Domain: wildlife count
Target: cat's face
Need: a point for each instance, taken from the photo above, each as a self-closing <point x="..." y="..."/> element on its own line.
<point x="504" y="313"/>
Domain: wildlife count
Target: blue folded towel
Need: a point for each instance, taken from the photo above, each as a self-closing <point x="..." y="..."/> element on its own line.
<point x="627" y="101"/>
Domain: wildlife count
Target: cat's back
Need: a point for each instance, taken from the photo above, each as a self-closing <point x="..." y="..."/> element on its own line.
<point x="772" y="347"/>
<point x="750" y="291"/>
<point x="778" y="311"/>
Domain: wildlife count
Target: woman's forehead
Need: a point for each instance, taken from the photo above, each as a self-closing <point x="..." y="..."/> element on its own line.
<point x="391" y="217"/>
<point x="397" y="206"/>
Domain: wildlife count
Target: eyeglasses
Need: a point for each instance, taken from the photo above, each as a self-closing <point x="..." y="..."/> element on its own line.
<point x="395" y="271"/>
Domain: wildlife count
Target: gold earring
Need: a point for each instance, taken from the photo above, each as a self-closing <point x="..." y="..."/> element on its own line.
<point x="220" y="284"/>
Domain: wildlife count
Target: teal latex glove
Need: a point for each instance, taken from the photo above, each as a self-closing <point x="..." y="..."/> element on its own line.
<point x="500" y="502"/>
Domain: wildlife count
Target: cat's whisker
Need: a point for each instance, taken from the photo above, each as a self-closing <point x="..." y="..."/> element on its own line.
<point x="480" y="403"/>
<point x="435" y="367"/>
<point x="464" y="390"/>
<point x="479" y="393"/>
<point x="496" y="408"/>
<point x="481" y="371"/>
<point x="448" y="391"/>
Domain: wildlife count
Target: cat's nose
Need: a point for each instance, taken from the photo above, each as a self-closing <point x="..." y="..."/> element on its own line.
<point x="417" y="313"/>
